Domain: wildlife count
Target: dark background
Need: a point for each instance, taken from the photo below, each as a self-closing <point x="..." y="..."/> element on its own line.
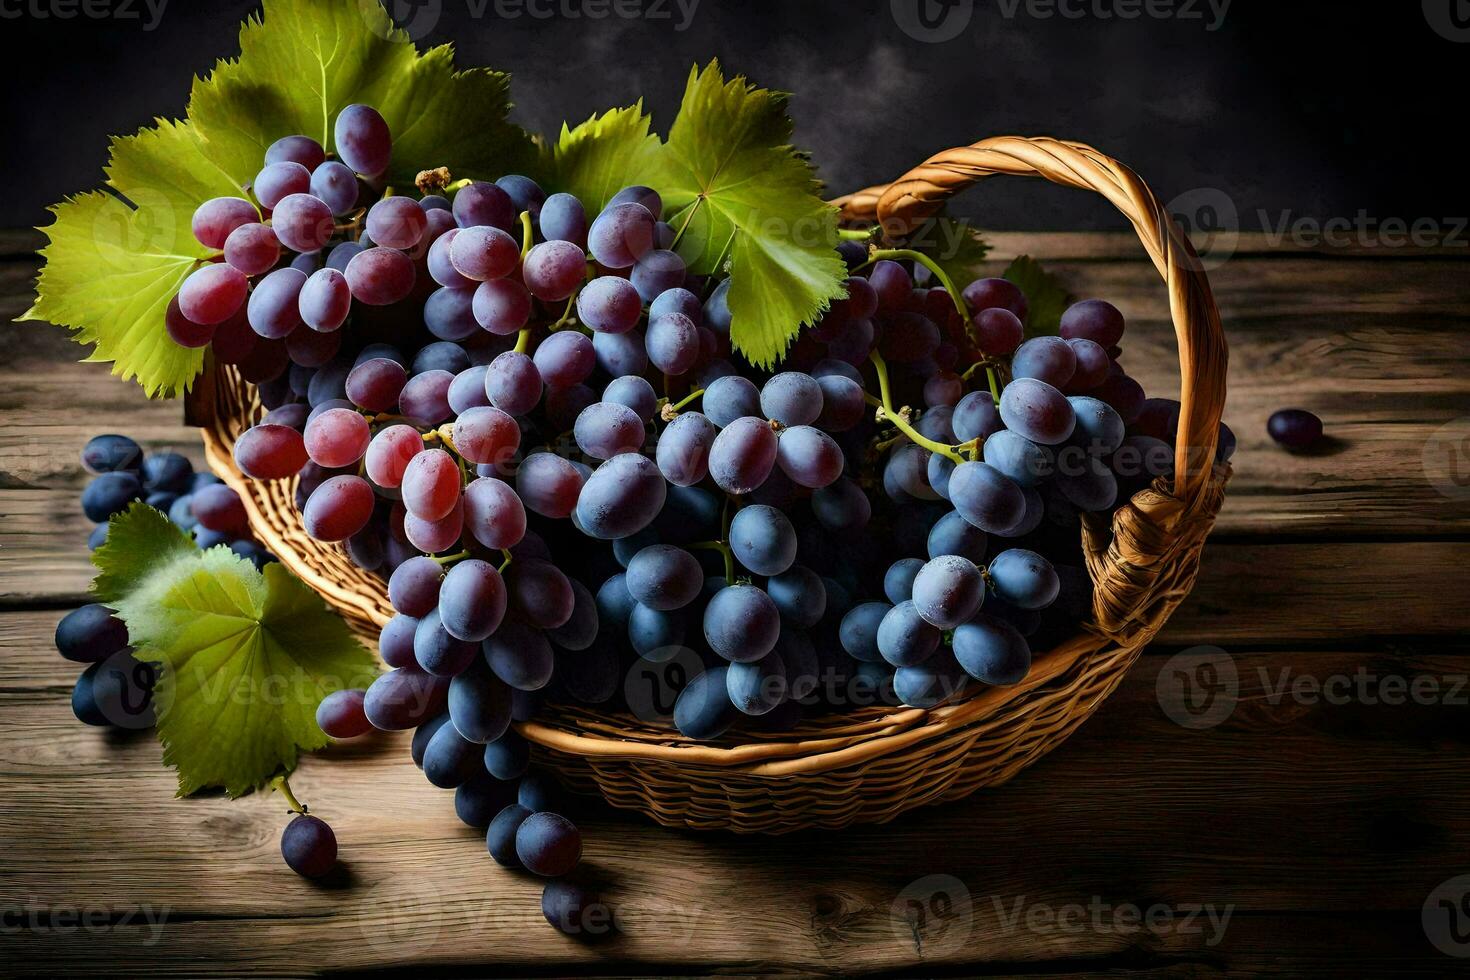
<point x="1292" y="109"/>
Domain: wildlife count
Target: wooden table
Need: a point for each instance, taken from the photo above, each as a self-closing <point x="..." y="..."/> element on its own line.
<point x="1319" y="823"/>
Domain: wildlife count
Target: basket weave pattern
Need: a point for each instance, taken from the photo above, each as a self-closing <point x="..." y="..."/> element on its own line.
<point x="870" y="764"/>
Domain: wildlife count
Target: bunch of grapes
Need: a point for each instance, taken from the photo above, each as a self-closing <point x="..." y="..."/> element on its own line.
<point x="539" y="434"/>
<point x="315" y="237"/>
<point x="549" y="523"/>
<point x="198" y="503"/>
<point x="116" y="690"/>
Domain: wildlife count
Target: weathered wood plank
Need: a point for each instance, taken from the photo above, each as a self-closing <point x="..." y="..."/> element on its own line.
<point x="1383" y="362"/>
<point x="1248" y="593"/>
<point x="1260" y="593"/>
<point x="1268" y="814"/>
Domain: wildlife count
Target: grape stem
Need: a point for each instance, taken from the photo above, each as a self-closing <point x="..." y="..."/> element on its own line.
<point x="898" y="419"/>
<point x="989" y="365"/>
<point x="898" y="254"/>
<point x="445" y="434"/>
<point x="508" y="558"/>
<point x="566" y="315"/>
<point x="668" y="410"/>
<point x="450" y="559"/>
<point x="725" y="553"/>
<point x="283" y="786"/>
<point x="697" y="392"/>
<point x="723" y="545"/>
<point x="374" y="418"/>
<point x="859" y="234"/>
<point x="523" y="340"/>
<point x="527" y="239"/>
<point x="351" y="226"/>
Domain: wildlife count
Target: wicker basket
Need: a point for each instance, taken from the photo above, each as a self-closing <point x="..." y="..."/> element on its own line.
<point x="873" y="763"/>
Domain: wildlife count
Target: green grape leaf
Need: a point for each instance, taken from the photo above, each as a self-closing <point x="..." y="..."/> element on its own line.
<point x="139" y="541"/>
<point x="302" y="61"/>
<point x="245" y="655"/>
<point x="955" y="246"/>
<point x="603" y="155"/>
<point x="1046" y="296"/>
<point x="734" y="186"/>
<point x="111" y="268"/>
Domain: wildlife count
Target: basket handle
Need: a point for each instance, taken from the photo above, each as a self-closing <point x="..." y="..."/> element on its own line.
<point x="906" y="203"/>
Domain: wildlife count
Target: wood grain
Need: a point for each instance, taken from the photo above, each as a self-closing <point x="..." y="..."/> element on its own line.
<point x="1322" y="823"/>
<point x="1385" y="369"/>
<point x="1268" y="814"/>
<point x="1248" y="593"/>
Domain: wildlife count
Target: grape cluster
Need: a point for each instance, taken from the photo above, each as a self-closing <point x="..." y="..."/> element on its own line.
<point x="540" y="435"/>
<point x="116" y="690"/>
<point x="550" y="524"/>
<point x="291" y="256"/>
<point x="198" y="503"/>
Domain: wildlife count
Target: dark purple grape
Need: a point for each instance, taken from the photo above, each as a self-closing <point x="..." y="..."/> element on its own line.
<point x="482" y="203"/>
<point x="564" y="219"/>
<point x="276" y="180"/>
<point x="363" y="140"/>
<point x="396" y="222"/>
<point x="1294" y="428"/>
<point x="90" y="634"/>
<point x="609" y="304"/>
<point x="336" y="185"/>
<point x="1049" y="359"/>
<point x="341" y="715"/>
<point x="621" y="235"/>
<point x="1037" y="411"/>
<point x="308" y="846"/>
<point x="991" y="294"/>
<point x="297" y="149"/>
<point x="1094" y="320"/>
<point x="998" y="331"/>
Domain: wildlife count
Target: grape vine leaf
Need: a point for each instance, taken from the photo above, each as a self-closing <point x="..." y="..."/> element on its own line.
<point x="604" y="154"/>
<point x="734" y="186"/>
<point x="302" y="61"/>
<point x="1046" y="296"/>
<point x="246" y="655"/>
<point x="113" y="263"/>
